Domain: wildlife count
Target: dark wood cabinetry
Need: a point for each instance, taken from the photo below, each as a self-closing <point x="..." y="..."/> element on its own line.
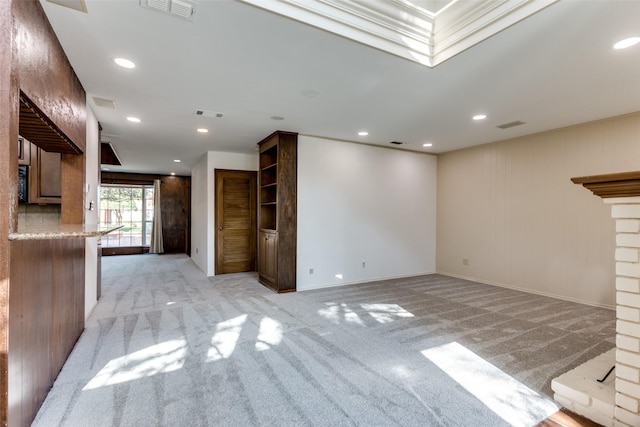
<point x="44" y="177"/>
<point x="24" y="152"/>
<point x="268" y="257"/>
<point x="44" y="173"/>
<point x="277" y="215"/>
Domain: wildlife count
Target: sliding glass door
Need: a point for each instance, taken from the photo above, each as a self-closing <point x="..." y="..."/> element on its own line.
<point x="131" y="207"/>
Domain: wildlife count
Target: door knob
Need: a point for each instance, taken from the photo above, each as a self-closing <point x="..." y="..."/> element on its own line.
<point x="221" y="228"/>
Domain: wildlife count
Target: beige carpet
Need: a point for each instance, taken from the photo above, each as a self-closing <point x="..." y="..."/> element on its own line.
<point x="167" y="346"/>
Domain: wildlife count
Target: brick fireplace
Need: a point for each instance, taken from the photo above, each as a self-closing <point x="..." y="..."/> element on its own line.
<point x="615" y="401"/>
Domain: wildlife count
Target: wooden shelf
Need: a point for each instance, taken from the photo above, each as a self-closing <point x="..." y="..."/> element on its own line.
<point x="278" y="211"/>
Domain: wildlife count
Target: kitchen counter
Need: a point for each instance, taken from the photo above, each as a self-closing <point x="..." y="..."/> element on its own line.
<point x="62" y="231"/>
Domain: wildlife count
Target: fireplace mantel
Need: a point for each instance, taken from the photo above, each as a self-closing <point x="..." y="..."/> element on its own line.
<point x="626" y="184"/>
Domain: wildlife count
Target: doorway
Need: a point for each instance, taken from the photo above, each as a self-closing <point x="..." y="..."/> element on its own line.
<point x="235" y="221"/>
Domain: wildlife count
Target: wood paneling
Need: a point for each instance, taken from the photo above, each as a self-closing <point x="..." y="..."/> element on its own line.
<point x="511" y="209"/>
<point x="8" y="190"/>
<point x="31" y="61"/>
<point x="175" y="198"/>
<point x="45" y="74"/>
<point x="108" y="155"/>
<point x="46" y="318"/>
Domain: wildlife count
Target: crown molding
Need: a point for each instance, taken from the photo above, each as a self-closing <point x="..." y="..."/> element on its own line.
<point x="404" y="29"/>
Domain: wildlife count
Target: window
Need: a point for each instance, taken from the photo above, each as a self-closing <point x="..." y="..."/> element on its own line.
<point x="130" y="206"/>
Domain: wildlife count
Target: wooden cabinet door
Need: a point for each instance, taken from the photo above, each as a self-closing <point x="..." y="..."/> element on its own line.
<point x="44" y="177"/>
<point x="24" y="151"/>
<point x="268" y="256"/>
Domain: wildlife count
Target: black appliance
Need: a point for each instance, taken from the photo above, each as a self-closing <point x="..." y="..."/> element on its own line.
<point x="23" y="184"/>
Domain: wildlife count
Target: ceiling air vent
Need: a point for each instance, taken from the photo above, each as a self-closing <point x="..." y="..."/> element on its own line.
<point x="511" y="124"/>
<point x="105" y="103"/>
<point x="205" y="113"/>
<point x="181" y="8"/>
<point x="396" y="143"/>
<point x="184" y="10"/>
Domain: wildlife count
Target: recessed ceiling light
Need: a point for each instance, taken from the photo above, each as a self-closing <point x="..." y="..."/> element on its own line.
<point x="277" y="118"/>
<point x="177" y="160"/>
<point x="428" y="144"/>
<point x="480" y="117"/>
<point x="363" y="133"/>
<point x="173" y="173"/>
<point x="623" y="44"/>
<point x="124" y="63"/>
<point x="134" y="119"/>
<point x="202" y="130"/>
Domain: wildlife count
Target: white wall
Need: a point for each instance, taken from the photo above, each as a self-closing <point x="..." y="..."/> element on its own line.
<point x="510" y="209"/>
<point x="358" y="203"/>
<point x="199" y="213"/>
<point x="203" y="202"/>
<point x="91" y="216"/>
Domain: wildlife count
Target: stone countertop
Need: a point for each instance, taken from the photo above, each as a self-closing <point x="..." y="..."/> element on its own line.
<point x="62" y="231"/>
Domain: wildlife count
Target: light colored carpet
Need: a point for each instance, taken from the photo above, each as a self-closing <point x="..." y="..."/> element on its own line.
<point x="167" y="346"/>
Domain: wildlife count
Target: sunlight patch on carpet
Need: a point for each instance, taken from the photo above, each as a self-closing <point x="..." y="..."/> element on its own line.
<point x="224" y="341"/>
<point x="160" y="358"/>
<point x="385" y="313"/>
<point x="382" y="313"/>
<point x="513" y="401"/>
<point x="270" y="334"/>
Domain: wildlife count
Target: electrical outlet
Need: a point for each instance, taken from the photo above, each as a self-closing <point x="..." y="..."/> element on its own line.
<point x="363" y="264"/>
<point x="311" y="271"/>
<point x="465" y="261"/>
<point x="196" y="250"/>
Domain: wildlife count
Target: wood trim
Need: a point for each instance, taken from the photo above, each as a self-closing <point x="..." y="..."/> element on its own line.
<point x="123" y="250"/>
<point x="625" y="184"/>
<point x="42" y="131"/>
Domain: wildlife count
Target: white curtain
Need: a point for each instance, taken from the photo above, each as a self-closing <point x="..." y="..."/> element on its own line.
<point x="156" y="246"/>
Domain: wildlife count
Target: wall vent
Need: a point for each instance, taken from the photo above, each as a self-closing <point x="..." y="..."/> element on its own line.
<point x="511" y="124"/>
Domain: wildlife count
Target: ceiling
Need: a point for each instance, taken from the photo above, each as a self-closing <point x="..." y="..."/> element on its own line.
<point x="553" y="69"/>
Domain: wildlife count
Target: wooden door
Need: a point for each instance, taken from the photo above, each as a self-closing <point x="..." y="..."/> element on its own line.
<point x="235" y="221"/>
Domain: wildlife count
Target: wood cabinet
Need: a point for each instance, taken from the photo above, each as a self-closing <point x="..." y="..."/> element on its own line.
<point x="45" y="185"/>
<point x="24" y="151"/>
<point x="277" y="214"/>
<point x="268" y="257"/>
<point x="44" y="176"/>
